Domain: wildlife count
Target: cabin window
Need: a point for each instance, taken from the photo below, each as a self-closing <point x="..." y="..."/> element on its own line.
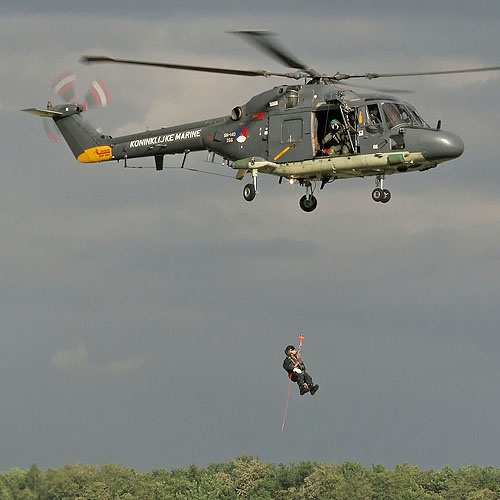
<point x="292" y="131"/>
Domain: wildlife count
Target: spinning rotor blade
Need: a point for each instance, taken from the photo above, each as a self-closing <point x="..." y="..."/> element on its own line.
<point x="266" y="42"/>
<point x="371" y="76"/>
<point x="205" y="69"/>
<point x="64" y="86"/>
<point x="97" y="128"/>
<point x="97" y="96"/>
<point x="375" y="89"/>
<point x="51" y="130"/>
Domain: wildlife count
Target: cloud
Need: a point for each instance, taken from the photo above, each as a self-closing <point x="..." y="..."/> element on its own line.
<point x="76" y="359"/>
<point x="178" y="270"/>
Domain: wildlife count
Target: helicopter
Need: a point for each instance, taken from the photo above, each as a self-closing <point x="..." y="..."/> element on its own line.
<point x="308" y="133"/>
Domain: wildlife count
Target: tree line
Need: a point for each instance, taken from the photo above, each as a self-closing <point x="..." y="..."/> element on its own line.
<point x="249" y="478"/>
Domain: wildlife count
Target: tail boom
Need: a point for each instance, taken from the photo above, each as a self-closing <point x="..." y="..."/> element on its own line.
<point x="89" y="146"/>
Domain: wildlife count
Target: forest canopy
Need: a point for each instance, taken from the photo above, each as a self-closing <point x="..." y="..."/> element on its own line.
<point x="247" y="477"/>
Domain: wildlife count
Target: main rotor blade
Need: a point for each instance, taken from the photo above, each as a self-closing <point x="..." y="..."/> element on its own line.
<point x="265" y="41"/>
<point x="206" y="69"/>
<point x="371" y="76"/>
<point x="375" y="89"/>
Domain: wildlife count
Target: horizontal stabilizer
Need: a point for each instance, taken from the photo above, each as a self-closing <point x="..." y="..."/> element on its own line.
<point x="43" y="112"/>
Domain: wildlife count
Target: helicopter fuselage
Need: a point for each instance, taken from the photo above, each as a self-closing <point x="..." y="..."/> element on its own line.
<point x="302" y="133"/>
<point x="282" y="132"/>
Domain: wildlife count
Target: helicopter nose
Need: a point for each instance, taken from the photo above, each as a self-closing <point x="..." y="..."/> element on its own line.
<point x="438" y="145"/>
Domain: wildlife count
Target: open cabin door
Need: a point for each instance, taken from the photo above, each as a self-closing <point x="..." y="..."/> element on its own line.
<point x="347" y="140"/>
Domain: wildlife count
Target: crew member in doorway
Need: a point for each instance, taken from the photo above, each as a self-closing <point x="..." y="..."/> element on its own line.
<point x="374" y="114"/>
<point x="295" y="367"/>
<point x="335" y="142"/>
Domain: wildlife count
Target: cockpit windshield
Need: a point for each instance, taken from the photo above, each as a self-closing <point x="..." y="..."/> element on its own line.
<point x="417" y="119"/>
<point x="396" y="113"/>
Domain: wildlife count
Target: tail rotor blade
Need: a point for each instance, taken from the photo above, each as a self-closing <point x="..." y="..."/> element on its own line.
<point x="97" y="128"/>
<point x="97" y="96"/>
<point x="50" y="129"/>
<point x="64" y="85"/>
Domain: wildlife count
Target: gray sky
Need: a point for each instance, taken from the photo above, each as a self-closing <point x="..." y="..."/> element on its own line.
<point x="143" y="315"/>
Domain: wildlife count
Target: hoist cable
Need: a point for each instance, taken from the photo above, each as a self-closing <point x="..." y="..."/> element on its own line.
<point x="184" y="168"/>
<point x="203" y="172"/>
<point x="286" y="405"/>
<point x="301" y="339"/>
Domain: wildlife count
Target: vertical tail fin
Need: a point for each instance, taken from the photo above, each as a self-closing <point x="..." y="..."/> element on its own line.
<point x="86" y="144"/>
<point x="83" y="140"/>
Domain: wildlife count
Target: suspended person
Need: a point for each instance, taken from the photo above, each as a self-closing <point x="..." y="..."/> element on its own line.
<point x="295" y="367"/>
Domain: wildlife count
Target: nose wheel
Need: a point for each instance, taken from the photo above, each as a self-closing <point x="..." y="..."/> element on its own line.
<point x="249" y="192"/>
<point x="379" y="194"/>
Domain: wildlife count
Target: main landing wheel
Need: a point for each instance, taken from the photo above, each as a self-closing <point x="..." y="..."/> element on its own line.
<point x="308" y="204"/>
<point x="249" y="192"/>
<point x="377" y="194"/>
<point x="381" y="195"/>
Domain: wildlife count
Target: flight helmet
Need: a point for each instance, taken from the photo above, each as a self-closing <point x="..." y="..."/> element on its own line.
<point x="335" y="125"/>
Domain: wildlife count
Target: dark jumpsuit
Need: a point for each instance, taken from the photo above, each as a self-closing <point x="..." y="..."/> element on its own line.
<point x="303" y="378"/>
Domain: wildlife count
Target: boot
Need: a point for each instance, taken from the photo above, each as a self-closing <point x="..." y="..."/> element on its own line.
<point x="314" y="389"/>
<point x="304" y="389"/>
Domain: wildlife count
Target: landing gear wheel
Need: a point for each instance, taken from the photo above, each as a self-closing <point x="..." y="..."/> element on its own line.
<point x="249" y="192"/>
<point x="378" y="194"/>
<point x="308" y="205"/>
<point x="387" y="196"/>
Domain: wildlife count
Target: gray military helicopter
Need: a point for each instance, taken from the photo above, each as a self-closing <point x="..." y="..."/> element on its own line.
<point x="309" y="133"/>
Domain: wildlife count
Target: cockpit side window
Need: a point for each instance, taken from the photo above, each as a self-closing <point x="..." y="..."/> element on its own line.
<point x="373" y="114"/>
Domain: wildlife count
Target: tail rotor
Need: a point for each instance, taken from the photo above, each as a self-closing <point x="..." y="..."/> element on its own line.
<point x="65" y="87"/>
